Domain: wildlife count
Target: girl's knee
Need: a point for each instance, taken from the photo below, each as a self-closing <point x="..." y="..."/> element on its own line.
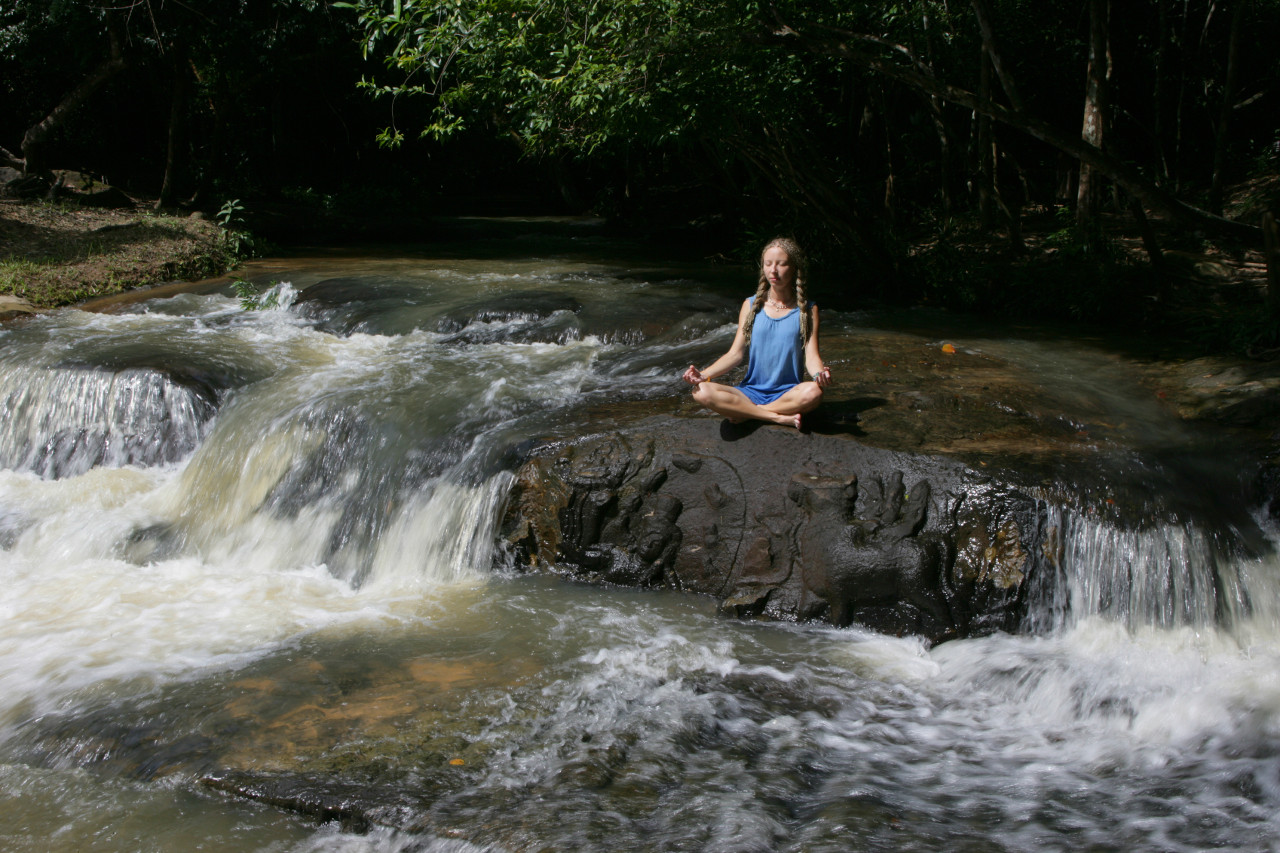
<point x="807" y="396"/>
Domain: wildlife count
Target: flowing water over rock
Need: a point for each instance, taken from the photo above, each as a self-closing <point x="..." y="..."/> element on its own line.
<point x="253" y="597"/>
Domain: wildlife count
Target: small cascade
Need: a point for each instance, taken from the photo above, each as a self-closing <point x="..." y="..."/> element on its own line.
<point x="61" y="422"/>
<point x="1168" y="575"/>
<point x="445" y="533"/>
<point x="358" y="495"/>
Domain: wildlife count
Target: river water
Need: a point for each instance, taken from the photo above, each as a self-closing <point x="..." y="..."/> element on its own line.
<point x="259" y="545"/>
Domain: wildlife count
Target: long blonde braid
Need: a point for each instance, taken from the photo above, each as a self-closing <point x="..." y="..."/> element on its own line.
<point x="797" y="256"/>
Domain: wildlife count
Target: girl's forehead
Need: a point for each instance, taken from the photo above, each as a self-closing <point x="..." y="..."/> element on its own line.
<point x="776" y="253"/>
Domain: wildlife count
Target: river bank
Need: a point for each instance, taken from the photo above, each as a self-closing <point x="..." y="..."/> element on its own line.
<point x="1206" y="300"/>
<point x="55" y="254"/>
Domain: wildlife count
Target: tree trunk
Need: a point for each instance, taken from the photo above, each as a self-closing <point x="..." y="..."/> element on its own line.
<point x="1184" y="71"/>
<point x="886" y="133"/>
<point x="1161" y="75"/>
<point x="1152" y="245"/>
<point x="939" y="127"/>
<point x="993" y="53"/>
<point x="1271" y="243"/>
<point x="34" y="140"/>
<point x="986" y="147"/>
<point x="990" y="152"/>
<point x="1097" y="77"/>
<point x="175" y="153"/>
<point x="211" y="138"/>
<point x="1224" y="116"/>
<point x="278" y="154"/>
<point x="1011" y="203"/>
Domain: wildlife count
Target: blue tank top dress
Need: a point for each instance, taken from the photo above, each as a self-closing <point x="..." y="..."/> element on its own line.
<point x="775" y="360"/>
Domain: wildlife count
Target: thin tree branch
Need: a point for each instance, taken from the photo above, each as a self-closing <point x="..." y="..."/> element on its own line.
<point x="9" y="159"/>
<point x="997" y="61"/>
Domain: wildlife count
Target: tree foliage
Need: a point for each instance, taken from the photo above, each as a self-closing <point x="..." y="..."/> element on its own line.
<point x="858" y="127"/>
<point x="567" y="76"/>
<point x="850" y="95"/>
<point x="227" y="71"/>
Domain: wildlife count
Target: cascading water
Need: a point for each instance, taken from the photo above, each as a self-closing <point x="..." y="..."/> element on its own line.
<point x="1168" y="575"/>
<point x="62" y="422"/>
<point x="259" y="545"/>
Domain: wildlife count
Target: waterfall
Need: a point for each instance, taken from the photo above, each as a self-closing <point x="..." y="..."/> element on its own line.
<point x="61" y="422"/>
<point x="1167" y="575"/>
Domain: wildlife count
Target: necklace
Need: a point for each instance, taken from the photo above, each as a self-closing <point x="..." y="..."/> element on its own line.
<point x="773" y="303"/>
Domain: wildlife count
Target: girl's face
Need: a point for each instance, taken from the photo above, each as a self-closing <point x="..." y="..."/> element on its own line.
<point x="779" y="271"/>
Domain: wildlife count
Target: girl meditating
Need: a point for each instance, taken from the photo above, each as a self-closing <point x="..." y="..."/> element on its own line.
<point x="778" y="327"/>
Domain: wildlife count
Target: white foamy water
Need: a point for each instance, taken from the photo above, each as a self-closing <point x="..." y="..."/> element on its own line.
<point x="119" y="575"/>
<point x="324" y="537"/>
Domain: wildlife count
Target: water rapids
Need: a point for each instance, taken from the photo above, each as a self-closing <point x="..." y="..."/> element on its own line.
<point x="263" y="543"/>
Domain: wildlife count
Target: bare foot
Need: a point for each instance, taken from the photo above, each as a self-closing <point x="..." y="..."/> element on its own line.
<point x="797" y="422"/>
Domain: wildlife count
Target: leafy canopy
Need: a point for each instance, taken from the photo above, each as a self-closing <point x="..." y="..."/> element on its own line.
<point x="563" y="75"/>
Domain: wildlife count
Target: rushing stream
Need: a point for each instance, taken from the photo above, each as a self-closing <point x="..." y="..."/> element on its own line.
<point x="261" y="544"/>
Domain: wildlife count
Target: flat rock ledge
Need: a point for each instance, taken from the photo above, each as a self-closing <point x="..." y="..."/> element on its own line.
<point x="785" y="525"/>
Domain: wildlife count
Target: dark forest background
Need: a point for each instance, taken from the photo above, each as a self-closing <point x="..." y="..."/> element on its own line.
<point x="1056" y="158"/>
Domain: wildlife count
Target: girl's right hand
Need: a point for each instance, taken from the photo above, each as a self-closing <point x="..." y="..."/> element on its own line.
<point x="694" y="376"/>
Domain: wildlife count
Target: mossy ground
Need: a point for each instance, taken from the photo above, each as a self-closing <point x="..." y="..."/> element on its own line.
<point x="54" y="254"/>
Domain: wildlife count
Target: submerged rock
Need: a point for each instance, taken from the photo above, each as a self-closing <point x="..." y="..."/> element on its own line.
<point x="355" y="806"/>
<point x="344" y="306"/>
<point x="526" y="305"/>
<point x="782" y="525"/>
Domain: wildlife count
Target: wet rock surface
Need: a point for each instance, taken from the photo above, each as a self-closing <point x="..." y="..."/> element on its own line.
<point x="916" y="500"/>
<point x="781" y="524"/>
<point x="14" y="308"/>
<point x="344" y="306"/>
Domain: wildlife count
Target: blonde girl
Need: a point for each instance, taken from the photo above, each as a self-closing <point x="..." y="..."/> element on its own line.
<point x="778" y="332"/>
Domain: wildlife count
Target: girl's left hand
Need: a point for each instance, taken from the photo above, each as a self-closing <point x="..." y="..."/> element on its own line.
<point x="823" y="377"/>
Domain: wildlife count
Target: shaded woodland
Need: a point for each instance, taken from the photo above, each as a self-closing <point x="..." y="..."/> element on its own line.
<point x="1051" y="159"/>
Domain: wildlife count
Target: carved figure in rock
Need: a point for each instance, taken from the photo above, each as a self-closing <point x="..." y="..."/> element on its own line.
<point x="874" y="564"/>
<point x="897" y="543"/>
<point x="780" y="346"/>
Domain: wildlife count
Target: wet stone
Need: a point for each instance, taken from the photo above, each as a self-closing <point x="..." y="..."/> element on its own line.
<point x="856" y="535"/>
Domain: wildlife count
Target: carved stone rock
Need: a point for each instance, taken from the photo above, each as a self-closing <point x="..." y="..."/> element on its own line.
<point x="783" y="525"/>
